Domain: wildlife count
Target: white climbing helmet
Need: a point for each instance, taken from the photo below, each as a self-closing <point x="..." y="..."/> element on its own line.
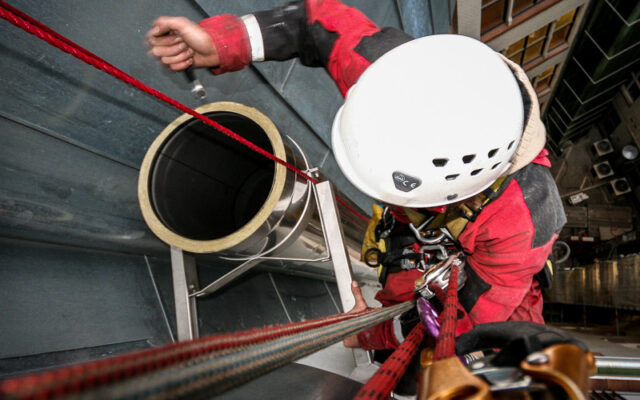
<point x="433" y="121"/>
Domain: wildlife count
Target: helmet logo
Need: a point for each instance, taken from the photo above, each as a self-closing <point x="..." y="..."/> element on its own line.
<point x="404" y="182"/>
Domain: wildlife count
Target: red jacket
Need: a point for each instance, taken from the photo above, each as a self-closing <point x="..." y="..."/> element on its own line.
<point x="511" y="238"/>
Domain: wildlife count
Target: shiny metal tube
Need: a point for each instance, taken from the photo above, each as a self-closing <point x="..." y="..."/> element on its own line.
<point x="617" y="366"/>
<point x="205" y="193"/>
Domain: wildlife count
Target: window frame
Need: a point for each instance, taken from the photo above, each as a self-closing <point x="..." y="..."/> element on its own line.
<point x="547" y="51"/>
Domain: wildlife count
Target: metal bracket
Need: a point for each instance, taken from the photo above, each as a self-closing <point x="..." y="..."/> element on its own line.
<point x="333" y="240"/>
<point x="185" y="281"/>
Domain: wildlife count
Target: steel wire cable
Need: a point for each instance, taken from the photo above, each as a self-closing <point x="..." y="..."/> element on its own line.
<point x="211" y="373"/>
<point x="128" y="365"/>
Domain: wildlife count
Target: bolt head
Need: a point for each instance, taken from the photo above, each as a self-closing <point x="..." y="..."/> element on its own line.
<point x="537" y="358"/>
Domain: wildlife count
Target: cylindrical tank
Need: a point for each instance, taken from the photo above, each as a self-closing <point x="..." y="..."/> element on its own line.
<point x="204" y="192"/>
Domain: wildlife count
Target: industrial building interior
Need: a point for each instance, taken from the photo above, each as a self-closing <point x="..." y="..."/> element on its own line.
<point x="84" y="275"/>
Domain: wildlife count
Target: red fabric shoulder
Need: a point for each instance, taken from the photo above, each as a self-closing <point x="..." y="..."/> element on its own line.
<point x="345" y="65"/>
<point x="542" y="158"/>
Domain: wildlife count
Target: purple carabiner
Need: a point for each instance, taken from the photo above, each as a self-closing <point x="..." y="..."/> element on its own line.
<point x="429" y="317"/>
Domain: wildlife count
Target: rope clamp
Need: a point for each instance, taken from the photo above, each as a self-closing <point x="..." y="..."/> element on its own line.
<point x="439" y="275"/>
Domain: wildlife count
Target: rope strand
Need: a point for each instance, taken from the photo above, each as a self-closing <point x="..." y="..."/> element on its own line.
<point x="128" y="367"/>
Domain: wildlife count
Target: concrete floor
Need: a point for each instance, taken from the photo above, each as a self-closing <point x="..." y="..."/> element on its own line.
<point x="605" y="345"/>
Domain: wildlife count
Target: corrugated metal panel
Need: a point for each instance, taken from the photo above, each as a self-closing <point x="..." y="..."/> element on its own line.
<point x="605" y="284"/>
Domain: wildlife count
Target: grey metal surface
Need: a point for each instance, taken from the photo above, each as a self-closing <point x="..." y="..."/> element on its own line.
<point x="296" y="381"/>
<point x="57" y="298"/>
<point x="426" y="17"/>
<point x="34" y="363"/>
<point x="226" y="310"/>
<point x="304" y="298"/>
<point x="185" y="282"/>
<point x="53" y="191"/>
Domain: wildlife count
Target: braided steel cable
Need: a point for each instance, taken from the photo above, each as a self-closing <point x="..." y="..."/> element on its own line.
<point x="112" y="369"/>
<point x="32" y="26"/>
<point x="207" y="374"/>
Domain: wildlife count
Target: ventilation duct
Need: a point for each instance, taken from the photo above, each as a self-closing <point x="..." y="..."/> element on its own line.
<point x="602" y="147"/>
<point x="602" y="170"/>
<point x="203" y="192"/>
<point x="620" y="186"/>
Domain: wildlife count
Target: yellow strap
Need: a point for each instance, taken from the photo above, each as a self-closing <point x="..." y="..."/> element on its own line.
<point x="370" y="235"/>
<point x="451" y="219"/>
<point x="415" y="217"/>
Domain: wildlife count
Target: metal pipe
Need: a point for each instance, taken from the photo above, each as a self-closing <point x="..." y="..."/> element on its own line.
<point x="625" y="366"/>
<point x="205" y="193"/>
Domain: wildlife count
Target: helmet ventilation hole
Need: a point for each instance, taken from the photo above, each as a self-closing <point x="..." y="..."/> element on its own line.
<point x="468" y="158"/>
<point x="511" y="145"/>
<point x="476" y="172"/>
<point x="492" y="152"/>
<point x="452" y="196"/>
<point x="451" y="177"/>
<point x="496" y="165"/>
<point x="440" y="162"/>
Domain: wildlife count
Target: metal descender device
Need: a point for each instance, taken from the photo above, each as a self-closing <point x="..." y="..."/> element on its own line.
<point x="437" y="259"/>
<point x="439" y="275"/>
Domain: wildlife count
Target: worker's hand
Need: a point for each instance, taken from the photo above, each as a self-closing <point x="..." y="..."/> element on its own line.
<point x="180" y="43"/>
<point x="361" y="305"/>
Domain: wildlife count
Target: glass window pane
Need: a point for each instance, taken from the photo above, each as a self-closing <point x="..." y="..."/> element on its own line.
<point x="537" y="35"/>
<point x="542" y="83"/>
<point x="493" y="15"/>
<point x="517" y="58"/>
<point x="516" y="47"/>
<point x="559" y="36"/>
<point x="547" y="72"/>
<point x="565" y="19"/>
<point x="520" y="6"/>
<point x="533" y="52"/>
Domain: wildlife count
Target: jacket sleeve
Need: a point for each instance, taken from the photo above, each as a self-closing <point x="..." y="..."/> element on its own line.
<point x="321" y="33"/>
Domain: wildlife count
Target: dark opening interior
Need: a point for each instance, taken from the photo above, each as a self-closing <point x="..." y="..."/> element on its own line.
<point x="205" y="185"/>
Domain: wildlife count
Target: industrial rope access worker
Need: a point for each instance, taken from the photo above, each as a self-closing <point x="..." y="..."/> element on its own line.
<point x="437" y="121"/>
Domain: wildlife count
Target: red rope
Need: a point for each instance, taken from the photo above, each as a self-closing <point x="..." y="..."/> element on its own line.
<point x="32" y="26"/>
<point x="446" y="345"/>
<point x="78" y="377"/>
<point x="388" y="375"/>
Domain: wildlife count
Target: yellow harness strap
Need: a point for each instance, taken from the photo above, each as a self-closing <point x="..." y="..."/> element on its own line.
<point x="451" y="218"/>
